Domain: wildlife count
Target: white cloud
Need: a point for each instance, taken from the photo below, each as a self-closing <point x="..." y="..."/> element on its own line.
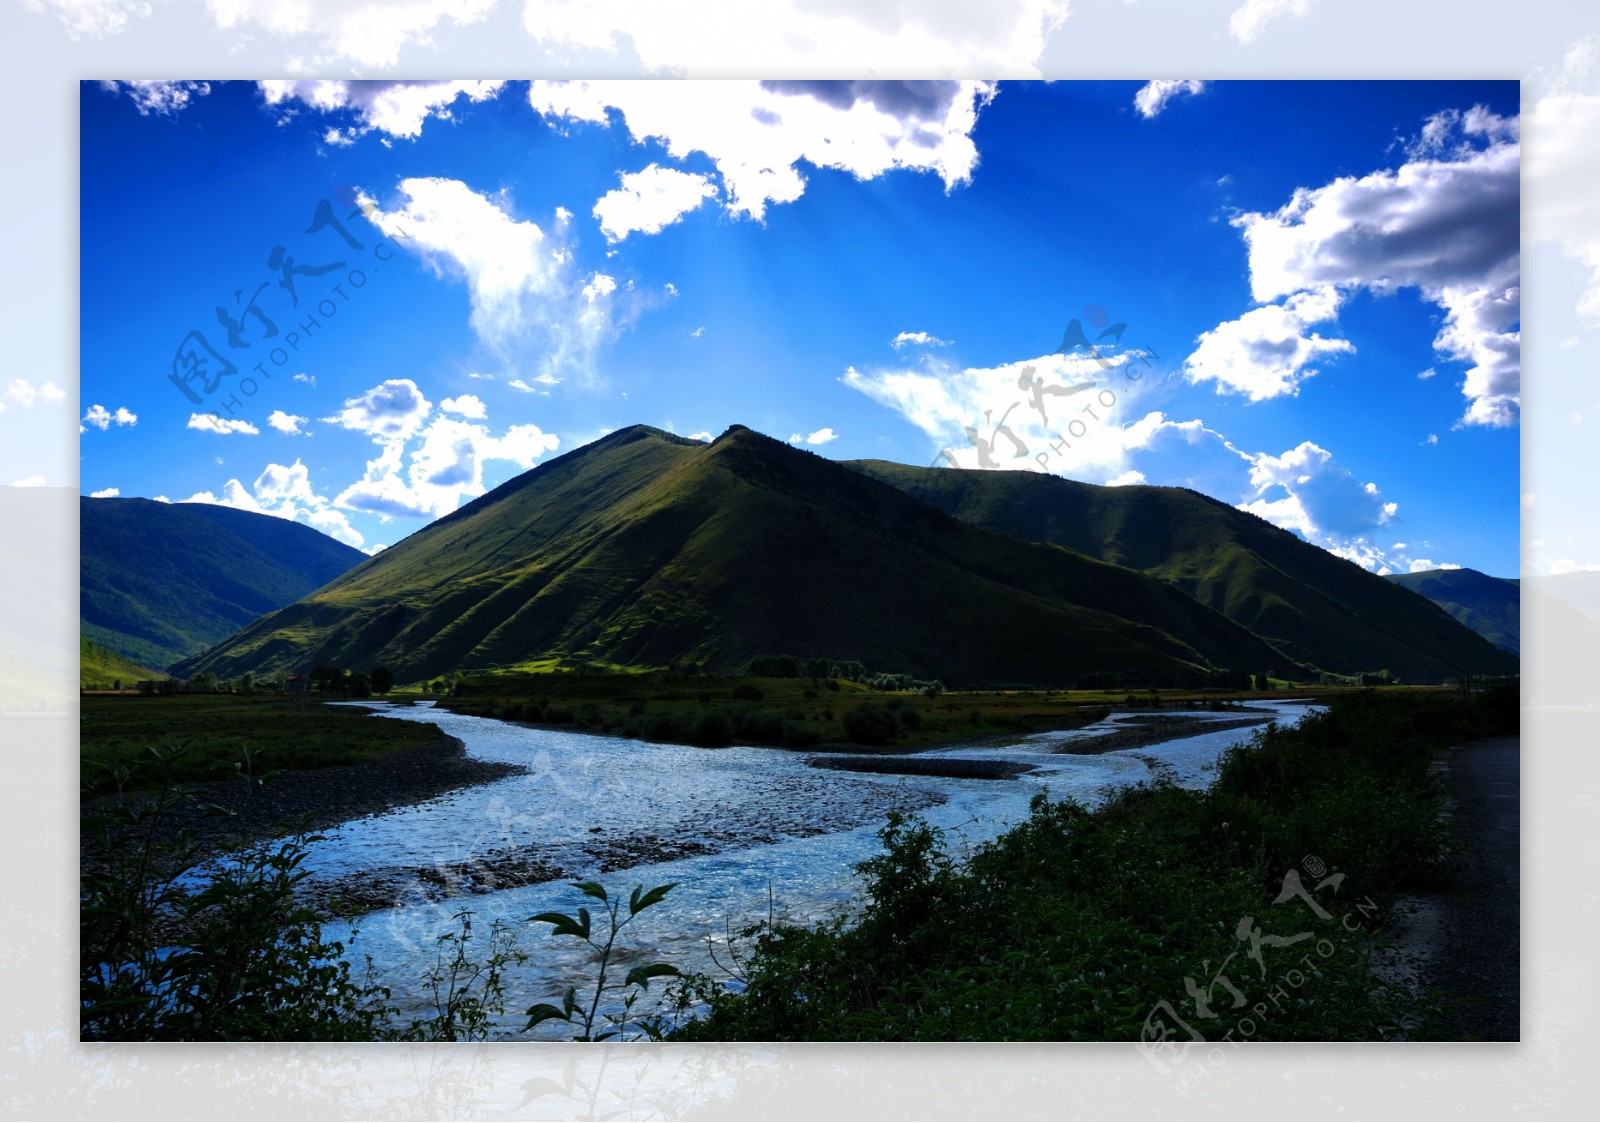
<point x="446" y="466"/>
<point x="93" y="19"/>
<point x="702" y="435"/>
<point x="105" y="493"/>
<point x="1267" y="351"/>
<point x="29" y="481"/>
<point x="1251" y="18"/>
<point x="1132" y="476"/>
<point x="483" y="377"/>
<point x="308" y="379"/>
<point x="1152" y="97"/>
<point x="211" y="423"/>
<point x="757" y="133"/>
<point x="1426" y="374"/>
<point x="393" y="410"/>
<point x="1305" y="490"/>
<point x="917" y="339"/>
<point x="698" y="332"/>
<point x="285" y="492"/>
<point x="286" y="422"/>
<point x="369" y="33"/>
<point x="1016" y="414"/>
<point x="161" y="98"/>
<point x="1003" y="38"/>
<point x="24" y="393"/>
<point x="526" y="293"/>
<point x="1446" y="223"/>
<point x="1433" y="439"/>
<point x="467" y="405"/>
<point x="396" y="109"/>
<point x="821" y="437"/>
<point x="651" y="200"/>
<point x="375" y="548"/>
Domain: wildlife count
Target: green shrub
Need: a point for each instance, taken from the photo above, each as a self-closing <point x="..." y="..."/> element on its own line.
<point x="871" y="723"/>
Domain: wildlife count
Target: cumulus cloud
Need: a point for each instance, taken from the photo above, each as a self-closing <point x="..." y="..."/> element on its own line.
<point x="22" y="392"/>
<point x="1152" y="97"/>
<point x="392" y="410"/>
<point x="526" y="292"/>
<point x="917" y="339"/>
<point x="1003" y="38"/>
<point x="1564" y="165"/>
<point x="286" y="422"/>
<point x="211" y="423"/>
<point x="757" y="133"/>
<point x="820" y="437"/>
<point x="29" y="481"/>
<point x="467" y="405"/>
<point x="702" y="435"/>
<point x="93" y="19"/>
<point x="396" y="109"/>
<point x="285" y="492"/>
<point x="105" y="493"/>
<point x="369" y="33"/>
<point x="1251" y="18"/>
<point x="1050" y="413"/>
<point x="648" y="201"/>
<point x="1269" y="350"/>
<point x="1445" y="223"/>
<point x="102" y="418"/>
<point x="445" y="466"/>
<point x="160" y="98"/>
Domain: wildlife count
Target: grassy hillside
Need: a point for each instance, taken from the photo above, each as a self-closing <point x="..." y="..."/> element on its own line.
<point x="647" y="549"/>
<point x="1490" y="606"/>
<point x="161" y="581"/>
<point x="99" y="669"/>
<point x="1313" y="606"/>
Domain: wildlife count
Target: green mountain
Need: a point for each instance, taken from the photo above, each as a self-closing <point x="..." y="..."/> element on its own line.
<point x="644" y="548"/>
<point x="99" y="669"/>
<point x="1490" y="606"/>
<point x="160" y="581"/>
<point x="1313" y="606"/>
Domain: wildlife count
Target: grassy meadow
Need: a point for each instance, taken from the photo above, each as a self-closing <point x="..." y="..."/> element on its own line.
<point x="281" y="732"/>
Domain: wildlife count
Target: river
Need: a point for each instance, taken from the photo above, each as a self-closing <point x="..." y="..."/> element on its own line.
<point x="741" y="830"/>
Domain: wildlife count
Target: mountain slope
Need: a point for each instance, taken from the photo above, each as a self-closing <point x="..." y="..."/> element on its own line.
<point x="1490" y="606"/>
<point x="160" y="581"/>
<point x="1315" y="607"/>
<point x="645" y="548"/>
<point x="100" y="669"/>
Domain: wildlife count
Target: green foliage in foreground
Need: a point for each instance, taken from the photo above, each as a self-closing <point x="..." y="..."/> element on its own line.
<point x="172" y="950"/>
<point x="1075" y="925"/>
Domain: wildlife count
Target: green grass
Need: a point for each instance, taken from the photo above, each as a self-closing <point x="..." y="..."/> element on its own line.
<point x="116" y="729"/>
<point x="801" y="713"/>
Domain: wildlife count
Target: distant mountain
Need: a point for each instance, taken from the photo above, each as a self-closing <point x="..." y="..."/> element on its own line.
<point x="37" y="614"/>
<point x="1313" y="606"/>
<point x="1490" y="606"/>
<point x="159" y="582"/>
<point x="644" y="548"/>
<point x="1580" y="589"/>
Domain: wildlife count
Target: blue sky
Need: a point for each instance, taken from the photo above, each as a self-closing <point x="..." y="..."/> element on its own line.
<point x="865" y="268"/>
